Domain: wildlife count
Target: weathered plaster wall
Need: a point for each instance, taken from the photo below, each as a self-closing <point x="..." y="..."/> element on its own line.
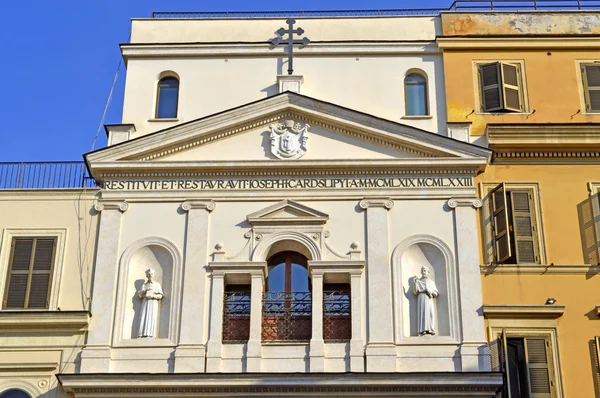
<point x="509" y="23"/>
<point x="552" y="79"/>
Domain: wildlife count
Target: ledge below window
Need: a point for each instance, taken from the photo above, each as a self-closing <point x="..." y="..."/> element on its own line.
<point x="165" y="119"/>
<point x="417" y="117"/>
<point x="48" y="320"/>
<point x="536" y="311"/>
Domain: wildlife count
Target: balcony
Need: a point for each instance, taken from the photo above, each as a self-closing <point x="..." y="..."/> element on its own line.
<point x="236" y="317"/>
<point x="45" y="175"/>
<point x="337" y="320"/>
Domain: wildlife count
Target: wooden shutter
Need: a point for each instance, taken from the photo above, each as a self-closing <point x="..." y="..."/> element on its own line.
<point x="595" y="199"/>
<point x="591" y="86"/>
<point x="524" y="229"/>
<point x="538" y="367"/>
<point x="31" y="262"/>
<point x="511" y="86"/>
<point x="491" y="87"/>
<point x="499" y="217"/>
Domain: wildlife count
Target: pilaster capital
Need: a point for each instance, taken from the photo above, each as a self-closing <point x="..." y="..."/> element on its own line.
<point x="366" y="203"/>
<point x="106" y="205"/>
<point x="207" y="205"/>
<point x="464" y="202"/>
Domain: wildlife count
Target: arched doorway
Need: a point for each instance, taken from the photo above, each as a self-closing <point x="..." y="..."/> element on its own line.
<point x="287" y="303"/>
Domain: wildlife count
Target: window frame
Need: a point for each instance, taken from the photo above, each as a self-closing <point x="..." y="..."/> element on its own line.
<point x="528" y="328"/>
<point x="477" y="84"/>
<point x="427" y="113"/>
<point x="488" y="250"/>
<point x="163" y="76"/>
<point x="8" y="235"/>
<point x="583" y="92"/>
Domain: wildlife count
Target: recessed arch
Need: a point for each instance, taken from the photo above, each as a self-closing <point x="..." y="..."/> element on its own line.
<point x="442" y="263"/>
<point x="168" y="257"/>
<point x="21" y="386"/>
<point x="416" y="98"/>
<point x="167" y="95"/>
<point x="263" y="249"/>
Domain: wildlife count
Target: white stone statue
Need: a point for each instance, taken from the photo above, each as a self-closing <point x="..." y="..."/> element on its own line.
<point x="151" y="294"/>
<point x="426" y="292"/>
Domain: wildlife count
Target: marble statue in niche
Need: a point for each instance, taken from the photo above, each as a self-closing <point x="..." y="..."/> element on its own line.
<point x="151" y="293"/>
<point x="426" y="292"/>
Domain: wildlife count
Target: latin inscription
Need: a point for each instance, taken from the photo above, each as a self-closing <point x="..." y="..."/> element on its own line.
<point x="288" y="183"/>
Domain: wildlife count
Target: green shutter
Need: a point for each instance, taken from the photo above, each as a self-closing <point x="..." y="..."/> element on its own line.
<point x="591" y="86"/>
<point x="540" y="381"/>
<point x="499" y="217"/>
<point x="524" y="230"/>
<point x="491" y="87"/>
<point x="511" y="86"/>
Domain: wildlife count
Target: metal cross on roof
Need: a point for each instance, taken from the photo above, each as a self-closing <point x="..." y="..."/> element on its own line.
<point x="290" y="42"/>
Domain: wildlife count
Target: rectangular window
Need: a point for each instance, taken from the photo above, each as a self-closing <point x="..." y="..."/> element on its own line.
<point x="337" y="319"/>
<point x="527" y="361"/>
<point x="236" y="313"/>
<point x="513" y="233"/>
<point x="30" y="273"/>
<point x="590" y="74"/>
<point x="501" y="87"/>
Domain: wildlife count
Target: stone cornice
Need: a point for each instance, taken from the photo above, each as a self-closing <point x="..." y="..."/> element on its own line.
<point x="541" y="269"/>
<point x="386" y="203"/>
<point x="38" y="321"/>
<point x="521" y="42"/>
<point x="512" y="311"/>
<point x="323" y="384"/>
<point x="221" y="268"/>
<point x="561" y="137"/>
<point x="130" y="51"/>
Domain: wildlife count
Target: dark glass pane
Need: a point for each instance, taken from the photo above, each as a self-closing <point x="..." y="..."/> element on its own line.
<point x="277" y="278"/>
<point x="14" y="394"/>
<point x="416" y="100"/>
<point x="167" y="102"/>
<point x="299" y="278"/>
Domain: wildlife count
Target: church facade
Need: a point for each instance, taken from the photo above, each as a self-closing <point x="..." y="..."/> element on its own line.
<point x="262" y="227"/>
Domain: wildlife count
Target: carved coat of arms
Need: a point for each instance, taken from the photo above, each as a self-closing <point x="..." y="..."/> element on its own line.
<point x="288" y="139"/>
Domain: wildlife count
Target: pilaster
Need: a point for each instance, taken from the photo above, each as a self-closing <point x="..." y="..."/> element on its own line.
<point x="253" y="356"/>
<point x="95" y="358"/>
<point x="317" y="344"/>
<point x="215" y="340"/>
<point x="380" y="351"/>
<point x="191" y="351"/>
<point x="357" y="346"/>
<point x="474" y="352"/>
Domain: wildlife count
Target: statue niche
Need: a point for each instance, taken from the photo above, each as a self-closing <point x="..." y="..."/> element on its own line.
<point x="425" y="309"/>
<point x="148" y="301"/>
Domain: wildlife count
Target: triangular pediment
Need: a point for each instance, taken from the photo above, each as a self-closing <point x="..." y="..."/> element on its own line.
<point x="287" y="212"/>
<point x="242" y="139"/>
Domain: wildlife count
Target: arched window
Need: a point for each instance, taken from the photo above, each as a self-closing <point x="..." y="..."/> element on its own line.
<point x="14" y="394"/>
<point x="287" y="305"/>
<point x="415" y="88"/>
<point x="167" y="97"/>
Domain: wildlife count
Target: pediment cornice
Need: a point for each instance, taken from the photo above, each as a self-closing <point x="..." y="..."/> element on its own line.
<point x="147" y="152"/>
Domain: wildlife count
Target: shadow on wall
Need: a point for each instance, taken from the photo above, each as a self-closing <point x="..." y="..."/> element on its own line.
<point x="587" y="231"/>
<point x="136" y="305"/>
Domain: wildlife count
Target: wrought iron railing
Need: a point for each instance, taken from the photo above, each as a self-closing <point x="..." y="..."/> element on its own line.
<point x="337" y="320"/>
<point x="236" y="317"/>
<point x="45" y="175"/>
<point x="459" y="5"/>
<point x="287" y="316"/>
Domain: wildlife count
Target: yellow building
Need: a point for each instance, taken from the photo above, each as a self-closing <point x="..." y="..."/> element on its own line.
<point x="527" y="85"/>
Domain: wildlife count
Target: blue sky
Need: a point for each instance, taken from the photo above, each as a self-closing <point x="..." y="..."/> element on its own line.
<point x="59" y="59"/>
